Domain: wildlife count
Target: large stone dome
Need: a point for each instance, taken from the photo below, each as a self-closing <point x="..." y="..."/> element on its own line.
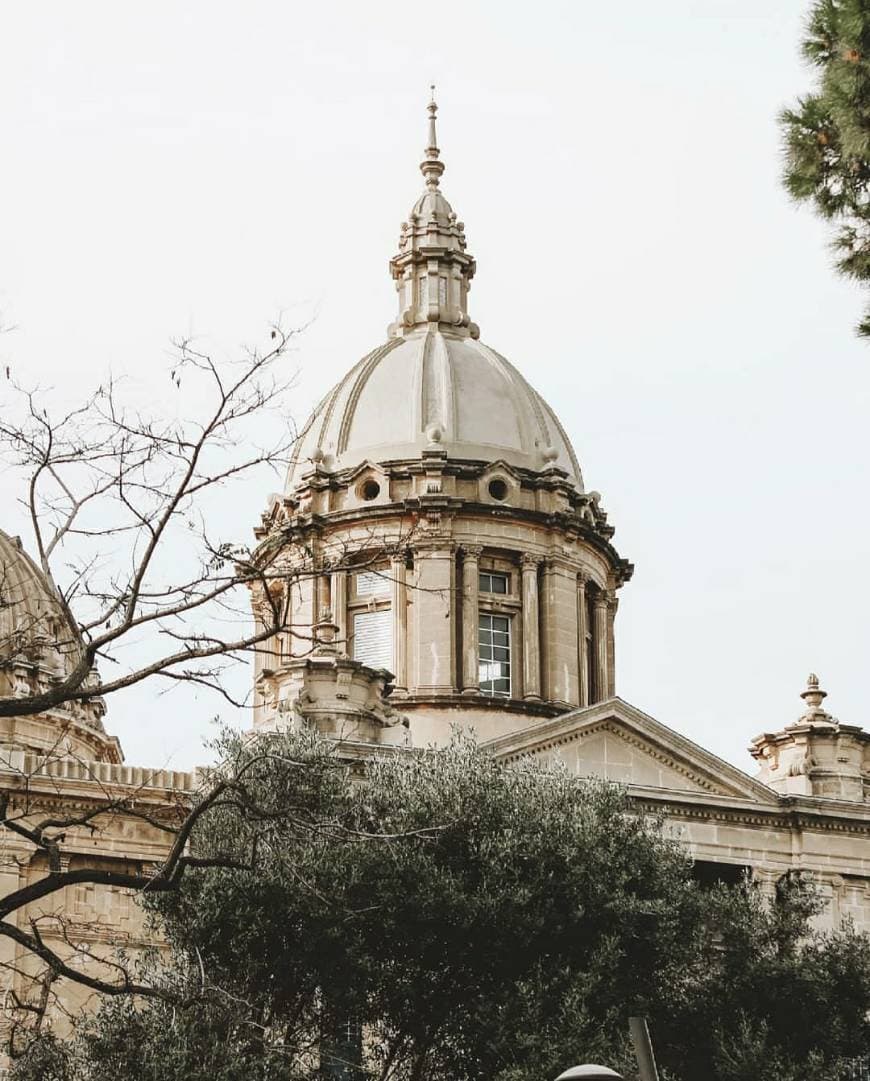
<point x="433" y="388"/>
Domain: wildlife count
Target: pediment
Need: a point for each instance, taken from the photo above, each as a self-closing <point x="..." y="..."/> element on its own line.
<point x="365" y="467"/>
<point x="500" y="466"/>
<point x="617" y="742"/>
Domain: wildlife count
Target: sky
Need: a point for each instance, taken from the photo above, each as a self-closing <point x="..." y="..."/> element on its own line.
<point x="202" y="168"/>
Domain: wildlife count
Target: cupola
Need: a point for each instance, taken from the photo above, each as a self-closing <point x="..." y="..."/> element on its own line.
<point x="436" y="510"/>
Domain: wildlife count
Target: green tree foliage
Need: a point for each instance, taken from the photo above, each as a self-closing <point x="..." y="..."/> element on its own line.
<point x="473" y="921"/>
<point x="827" y="133"/>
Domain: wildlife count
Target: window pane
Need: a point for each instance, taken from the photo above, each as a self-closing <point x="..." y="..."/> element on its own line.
<point x="495" y="655"/>
<point x="371" y="584"/>
<point x="489" y="582"/>
<point x="373" y="638"/>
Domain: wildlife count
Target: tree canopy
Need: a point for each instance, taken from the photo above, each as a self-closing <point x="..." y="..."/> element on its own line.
<point x="448" y="917"/>
<point x="827" y="133"/>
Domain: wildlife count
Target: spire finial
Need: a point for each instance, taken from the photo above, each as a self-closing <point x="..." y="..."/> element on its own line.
<point x="431" y="167"/>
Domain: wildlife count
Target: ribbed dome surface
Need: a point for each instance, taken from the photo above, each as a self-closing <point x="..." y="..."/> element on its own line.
<point x="29" y="609"/>
<point x="434" y="389"/>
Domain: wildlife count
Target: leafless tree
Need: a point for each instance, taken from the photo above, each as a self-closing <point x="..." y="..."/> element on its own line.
<point x="125" y="512"/>
<point x="119" y="507"/>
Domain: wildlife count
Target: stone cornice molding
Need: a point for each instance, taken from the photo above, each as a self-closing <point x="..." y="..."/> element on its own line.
<point x="469" y="703"/>
<point x="454" y="506"/>
<point x="698" y="806"/>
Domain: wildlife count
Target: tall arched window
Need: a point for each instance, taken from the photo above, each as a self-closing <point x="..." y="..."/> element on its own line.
<point x="589" y="650"/>
<point x="370" y="617"/>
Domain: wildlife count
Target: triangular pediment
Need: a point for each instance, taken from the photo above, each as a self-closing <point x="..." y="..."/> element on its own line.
<point x="617" y="742"/>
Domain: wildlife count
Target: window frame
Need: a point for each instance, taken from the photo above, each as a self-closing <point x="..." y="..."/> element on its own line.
<point x="379" y="599"/>
<point x="509" y="605"/>
<point x="493" y="575"/>
<point x="489" y="617"/>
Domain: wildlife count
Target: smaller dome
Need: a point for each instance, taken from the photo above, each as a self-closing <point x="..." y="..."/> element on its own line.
<point x="30" y="612"/>
<point x="38" y="650"/>
<point x="432" y="206"/>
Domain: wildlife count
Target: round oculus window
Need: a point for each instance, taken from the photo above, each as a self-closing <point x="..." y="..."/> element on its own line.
<point x="498" y="489"/>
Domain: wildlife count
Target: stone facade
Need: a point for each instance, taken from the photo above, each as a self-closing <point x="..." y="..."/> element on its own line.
<point x="462" y="574"/>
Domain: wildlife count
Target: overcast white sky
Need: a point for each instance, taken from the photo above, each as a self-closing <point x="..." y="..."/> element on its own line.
<point x="197" y="168"/>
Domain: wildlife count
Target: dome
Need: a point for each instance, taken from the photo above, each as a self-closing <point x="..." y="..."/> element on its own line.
<point x="38" y="651"/>
<point x="433" y="388"/>
<point x="433" y="384"/>
<point x="30" y="612"/>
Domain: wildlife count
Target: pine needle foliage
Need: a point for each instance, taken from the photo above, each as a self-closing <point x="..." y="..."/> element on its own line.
<point x="827" y="133"/>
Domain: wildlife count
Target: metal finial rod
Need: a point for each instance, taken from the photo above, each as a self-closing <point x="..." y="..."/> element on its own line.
<point x="433" y="109"/>
<point x="431" y="167"/>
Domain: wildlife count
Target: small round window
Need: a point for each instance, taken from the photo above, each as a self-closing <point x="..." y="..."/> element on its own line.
<point x="498" y="489"/>
<point x="370" y="489"/>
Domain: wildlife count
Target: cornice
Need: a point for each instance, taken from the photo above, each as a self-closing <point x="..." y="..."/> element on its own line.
<point x="569" y="525"/>
<point x="688" y="805"/>
<point x="478" y="703"/>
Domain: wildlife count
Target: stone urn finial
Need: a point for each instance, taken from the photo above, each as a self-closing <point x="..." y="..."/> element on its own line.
<point x="814" y="696"/>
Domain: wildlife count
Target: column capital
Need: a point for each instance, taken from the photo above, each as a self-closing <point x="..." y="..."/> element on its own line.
<point x="472" y="551"/>
<point x="529" y="560"/>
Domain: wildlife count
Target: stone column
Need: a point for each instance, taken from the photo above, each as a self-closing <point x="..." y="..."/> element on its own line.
<point x="304" y="615"/>
<point x="434" y="626"/>
<point x="599" y="644"/>
<point x="399" y="599"/>
<point x="470" y="610"/>
<point x="612" y="605"/>
<point x="582" y="643"/>
<point x="531" y="630"/>
<point x="560" y="629"/>
<point x="322" y="599"/>
<point x="338" y="589"/>
<point x="13" y="876"/>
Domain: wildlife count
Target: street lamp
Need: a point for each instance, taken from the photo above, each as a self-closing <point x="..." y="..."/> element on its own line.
<point x="589" y="1073"/>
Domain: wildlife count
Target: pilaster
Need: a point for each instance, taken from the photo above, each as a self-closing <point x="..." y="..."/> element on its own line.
<point x="531" y="630"/>
<point x="612" y="606"/>
<point x="399" y="599"/>
<point x="559" y="627"/>
<point x="599" y="636"/>
<point x="470" y="608"/>
<point x="582" y="640"/>
<point x="434" y="626"/>
<point x="338" y="604"/>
